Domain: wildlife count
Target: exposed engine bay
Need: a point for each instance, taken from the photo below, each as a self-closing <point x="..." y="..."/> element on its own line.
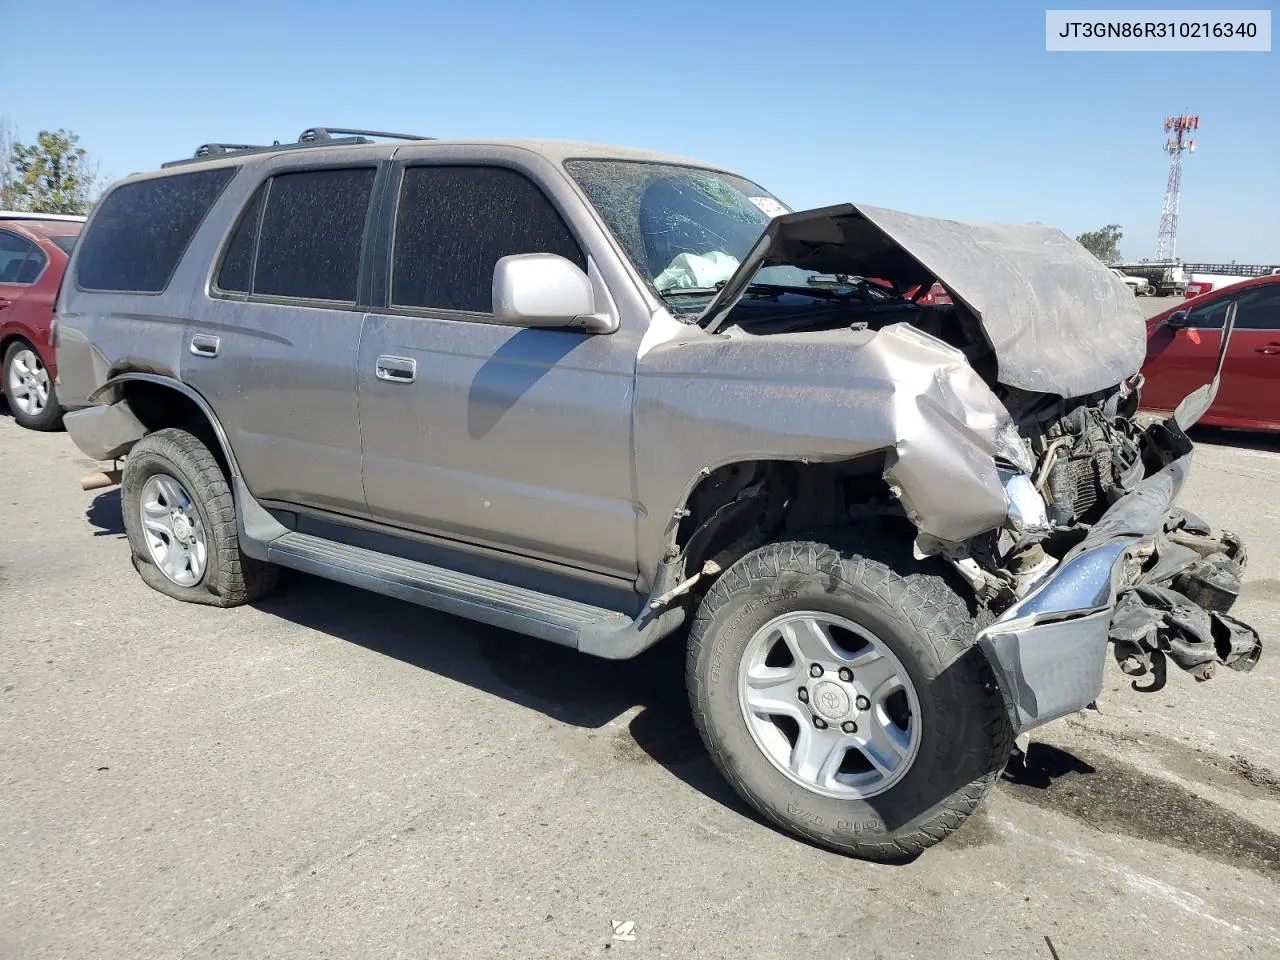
<point x="1089" y="452"/>
<point x="1090" y="535"/>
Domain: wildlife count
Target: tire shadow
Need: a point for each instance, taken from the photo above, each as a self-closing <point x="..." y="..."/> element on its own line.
<point x="104" y="514"/>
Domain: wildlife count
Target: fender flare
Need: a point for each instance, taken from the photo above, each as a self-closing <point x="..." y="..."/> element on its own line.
<point x="256" y="526"/>
<point x="110" y="393"/>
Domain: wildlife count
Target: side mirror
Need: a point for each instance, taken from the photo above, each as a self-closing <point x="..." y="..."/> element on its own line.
<point x="1177" y="320"/>
<point x="545" y="290"/>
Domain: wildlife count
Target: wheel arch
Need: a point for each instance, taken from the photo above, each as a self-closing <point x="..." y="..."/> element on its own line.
<point x="731" y="510"/>
<point x="149" y="398"/>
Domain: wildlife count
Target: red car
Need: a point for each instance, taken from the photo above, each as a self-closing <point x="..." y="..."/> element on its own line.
<point x="34" y="249"/>
<point x="1182" y="349"/>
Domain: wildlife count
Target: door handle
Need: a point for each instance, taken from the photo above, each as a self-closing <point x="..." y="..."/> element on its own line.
<point x="1270" y="349"/>
<point x="4" y="303"/>
<point x="397" y="369"/>
<point x="205" y="345"/>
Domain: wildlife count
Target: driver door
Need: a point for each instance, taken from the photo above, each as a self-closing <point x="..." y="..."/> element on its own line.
<point x="511" y="438"/>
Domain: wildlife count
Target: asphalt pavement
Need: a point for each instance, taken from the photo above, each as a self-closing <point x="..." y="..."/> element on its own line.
<point x="329" y="773"/>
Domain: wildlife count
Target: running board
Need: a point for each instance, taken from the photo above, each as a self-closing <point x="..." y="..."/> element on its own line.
<point x="595" y="630"/>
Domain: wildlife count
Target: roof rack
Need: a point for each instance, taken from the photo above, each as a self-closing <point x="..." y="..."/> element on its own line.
<point x="317" y="134"/>
<point x="311" y="137"/>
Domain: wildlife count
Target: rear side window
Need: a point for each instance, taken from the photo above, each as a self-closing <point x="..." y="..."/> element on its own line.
<point x="454" y="223"/>
<point x="20" y="260"/>
<point x="300" y="237"/>
<point x="141" y="230"/>
<point x="1260" y="310"/>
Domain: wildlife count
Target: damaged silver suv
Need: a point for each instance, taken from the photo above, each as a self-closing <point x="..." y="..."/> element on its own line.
<point x="598" y="396"/>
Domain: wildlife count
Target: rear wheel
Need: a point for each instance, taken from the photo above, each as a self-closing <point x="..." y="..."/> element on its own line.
<point x="29" y="387"/>
<point x="838" y="690"/>
<point x="179" y="515"/>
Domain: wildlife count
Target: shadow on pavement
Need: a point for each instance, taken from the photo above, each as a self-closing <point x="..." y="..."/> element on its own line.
<point x="1245" y="439"/>
<point x="104" y="514"/>
<point x="1042" y="765"/>
<point x="568" y="686"/>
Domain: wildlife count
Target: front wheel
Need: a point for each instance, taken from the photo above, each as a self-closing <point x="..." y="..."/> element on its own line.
<point x="838" y="690"/>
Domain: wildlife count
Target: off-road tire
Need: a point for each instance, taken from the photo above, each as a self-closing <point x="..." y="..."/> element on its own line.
<point x="914" y="609"/>
<point x="48" y="419"/>
<point x="230" y="578"/>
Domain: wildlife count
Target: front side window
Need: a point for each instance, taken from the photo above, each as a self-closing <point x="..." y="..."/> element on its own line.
<point x="301" y="236"/>
<point x="453" y="224"/>
<point x="20" y="260"/>
<point x="683" y="228"/>
<point x="141" y="230"/>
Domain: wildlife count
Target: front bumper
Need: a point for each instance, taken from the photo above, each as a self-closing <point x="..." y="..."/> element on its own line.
<point x="1049" y="649"/>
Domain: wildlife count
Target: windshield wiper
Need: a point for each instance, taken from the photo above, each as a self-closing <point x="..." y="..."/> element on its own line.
<point x="691" y="291"/>
<point x="805" y="291"/>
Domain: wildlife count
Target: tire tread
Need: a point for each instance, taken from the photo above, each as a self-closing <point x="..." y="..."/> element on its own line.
<point x="926" y="599"/>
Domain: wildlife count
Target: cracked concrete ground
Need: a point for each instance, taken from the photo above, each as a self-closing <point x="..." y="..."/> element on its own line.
<point x="333" y="774"/>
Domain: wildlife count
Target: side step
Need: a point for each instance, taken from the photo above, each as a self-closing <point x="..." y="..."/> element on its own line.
<point x="592" y="629"/>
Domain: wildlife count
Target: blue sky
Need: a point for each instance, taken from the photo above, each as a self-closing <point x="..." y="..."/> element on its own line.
<point x="948" y="109"/>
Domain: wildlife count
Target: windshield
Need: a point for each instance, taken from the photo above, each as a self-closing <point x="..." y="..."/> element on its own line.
<point x="685" y="229"/>
<point x="65" y="243"/>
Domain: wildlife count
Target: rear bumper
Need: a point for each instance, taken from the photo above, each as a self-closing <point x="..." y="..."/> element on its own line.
<point x="1049" y="649"/>
<point x="104" y="432"/>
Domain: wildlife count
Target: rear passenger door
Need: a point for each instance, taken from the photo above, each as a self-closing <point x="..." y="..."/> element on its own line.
<point x="274" y="342"/>
<point x="1250" y="388"/>
<point x="512" y="438"/>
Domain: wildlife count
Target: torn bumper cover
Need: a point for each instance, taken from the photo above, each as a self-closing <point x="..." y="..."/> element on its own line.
<point x="1148" y="577"/>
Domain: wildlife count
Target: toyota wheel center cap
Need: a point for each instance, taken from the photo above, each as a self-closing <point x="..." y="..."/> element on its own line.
<point x="830" y="700"/>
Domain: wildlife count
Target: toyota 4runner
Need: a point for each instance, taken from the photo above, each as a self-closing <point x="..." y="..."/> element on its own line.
<point x="597" y="395"/>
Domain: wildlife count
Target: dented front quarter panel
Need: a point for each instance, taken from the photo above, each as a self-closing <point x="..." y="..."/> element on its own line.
<point x="707" y="400"/>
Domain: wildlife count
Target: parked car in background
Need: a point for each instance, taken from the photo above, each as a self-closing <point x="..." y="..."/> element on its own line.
<point x="34" y="250"/>
<point x="1182" y="348"/>
<point x="1138" y="285"/>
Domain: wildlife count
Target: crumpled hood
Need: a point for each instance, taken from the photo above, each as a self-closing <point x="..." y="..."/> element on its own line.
<point x="1056" y="318"/>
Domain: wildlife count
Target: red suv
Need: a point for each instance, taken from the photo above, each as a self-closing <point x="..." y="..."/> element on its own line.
<point x="1182" y="348"/>
<point x="34" y="249"/>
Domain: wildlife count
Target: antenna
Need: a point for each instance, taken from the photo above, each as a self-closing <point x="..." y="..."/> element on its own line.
<point x="1177" y="127"/>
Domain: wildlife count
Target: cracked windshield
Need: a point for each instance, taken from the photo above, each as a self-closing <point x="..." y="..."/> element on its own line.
<point x="685" y="229"/>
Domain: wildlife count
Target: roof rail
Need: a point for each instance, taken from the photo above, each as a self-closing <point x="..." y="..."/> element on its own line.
<point x="218" y="149"/>
<point x="316" y="134"/>
<point x="311" y="137"/>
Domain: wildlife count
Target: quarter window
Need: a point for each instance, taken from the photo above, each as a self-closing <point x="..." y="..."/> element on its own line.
<point x="20" y="260"/>
<point x="301" y="237"/>
<point x="453" y="224"/>
<point x="141" y="230"/>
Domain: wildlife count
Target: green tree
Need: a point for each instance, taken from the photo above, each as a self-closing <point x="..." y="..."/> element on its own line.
<point x="1104" y="243"/>
<point x="51" y="175"/>
<point x="8" y="200"/>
